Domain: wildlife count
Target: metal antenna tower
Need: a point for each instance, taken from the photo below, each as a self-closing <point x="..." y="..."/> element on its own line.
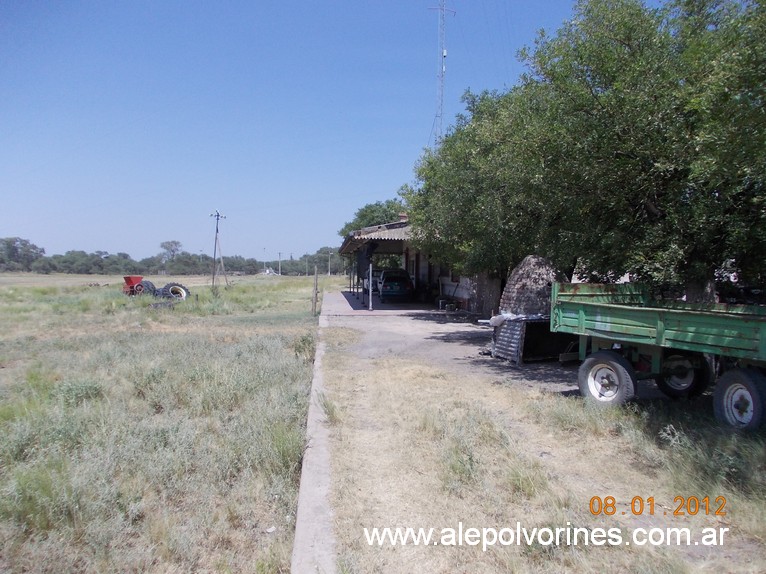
<point x="218" y="267"/>
<point x="438" y="120"/>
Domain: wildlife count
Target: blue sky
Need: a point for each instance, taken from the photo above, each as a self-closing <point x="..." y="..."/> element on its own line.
<point x="126" y="124"/>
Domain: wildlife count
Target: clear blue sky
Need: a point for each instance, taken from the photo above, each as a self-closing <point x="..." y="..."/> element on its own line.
<point x="125" y="124"/>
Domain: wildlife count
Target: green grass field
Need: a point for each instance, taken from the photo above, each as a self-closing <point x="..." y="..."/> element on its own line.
<point x="141" y="438"/>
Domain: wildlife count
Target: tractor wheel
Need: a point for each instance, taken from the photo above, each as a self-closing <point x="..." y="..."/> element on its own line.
<point x="176" y="291"/>
<point x="145" y="288"/>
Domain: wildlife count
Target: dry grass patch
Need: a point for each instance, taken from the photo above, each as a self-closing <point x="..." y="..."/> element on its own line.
<point x="475" y="449"/>
<point x="340" y="337"/>
<point x="410" y="463"/>
<point x="143" y="439"/>
<point x="682" y="452"/>
<point x="422" y="445"/>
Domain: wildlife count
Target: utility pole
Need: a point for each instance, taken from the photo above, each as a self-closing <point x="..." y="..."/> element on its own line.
<point x="279" y="267"/>
<point x="329" y="261"/>
<point x="217" y="253"/>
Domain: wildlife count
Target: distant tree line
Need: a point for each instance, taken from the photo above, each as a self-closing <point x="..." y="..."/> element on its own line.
<point x="18" y="254"/>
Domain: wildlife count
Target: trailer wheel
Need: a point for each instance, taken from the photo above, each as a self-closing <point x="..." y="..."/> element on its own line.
<point x="606" y="378"/>
<point x="175" y="290"/>
<point x="738" y="398"/>
<point x="681" y="379"/>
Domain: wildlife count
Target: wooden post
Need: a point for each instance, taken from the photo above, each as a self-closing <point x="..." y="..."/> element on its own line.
<point x="316" y="292"/>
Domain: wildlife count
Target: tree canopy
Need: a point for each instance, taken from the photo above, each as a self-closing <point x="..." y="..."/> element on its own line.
<point x="371" y="214"/>
<point x="17" y="254"/>
<point x="635" y="143"/>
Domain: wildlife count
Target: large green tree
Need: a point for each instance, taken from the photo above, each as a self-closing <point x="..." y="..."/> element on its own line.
<point x="474" y="206"/>
<point x="635" y="143"/>
<point x="373" y="214"/>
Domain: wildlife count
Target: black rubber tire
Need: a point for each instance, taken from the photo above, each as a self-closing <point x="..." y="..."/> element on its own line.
<point x="175" y="291"/>
<point x="606" y="379"/>
<point x="145" y="287"/>
<point x="738" y="400"/>
<point x="692" y="383"/>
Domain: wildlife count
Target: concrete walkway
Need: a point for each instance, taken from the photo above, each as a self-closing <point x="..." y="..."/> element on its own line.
<point x="349" y="304"/>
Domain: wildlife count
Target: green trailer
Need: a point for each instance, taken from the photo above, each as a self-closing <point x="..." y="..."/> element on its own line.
<point x="625" y="337"/>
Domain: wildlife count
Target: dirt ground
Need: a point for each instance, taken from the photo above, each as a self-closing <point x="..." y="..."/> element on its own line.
<point x="430" y="432"/>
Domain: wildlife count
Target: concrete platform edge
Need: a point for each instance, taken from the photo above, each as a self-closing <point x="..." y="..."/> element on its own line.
<point x="314" y="544"/>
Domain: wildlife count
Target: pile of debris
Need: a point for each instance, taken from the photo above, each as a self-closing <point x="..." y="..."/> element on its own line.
<point x="522" y="328"/>
<point x="137" y="285"/>
<point x="528" y="289"/>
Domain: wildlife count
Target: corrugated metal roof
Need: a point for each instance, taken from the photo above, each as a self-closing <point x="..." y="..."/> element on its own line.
<point x="381" y="232"/>
<point x="397" y="231"/>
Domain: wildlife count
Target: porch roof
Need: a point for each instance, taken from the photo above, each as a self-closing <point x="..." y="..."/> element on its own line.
<point x="389" y="237"/>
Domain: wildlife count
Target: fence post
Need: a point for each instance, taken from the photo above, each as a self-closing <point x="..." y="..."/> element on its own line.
<point x="316" y="292"/>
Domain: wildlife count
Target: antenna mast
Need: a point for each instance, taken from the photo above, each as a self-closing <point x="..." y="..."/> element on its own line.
<point x="217" y="253"/>
<point x="438" y="121"/>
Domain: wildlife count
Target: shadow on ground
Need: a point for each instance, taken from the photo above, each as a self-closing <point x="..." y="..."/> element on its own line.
<point x="416" y="309"/>
<point x="549" y="376"/>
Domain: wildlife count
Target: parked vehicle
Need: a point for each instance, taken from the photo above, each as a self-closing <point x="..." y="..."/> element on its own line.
<point x="395" y="283"/>
<point x="375" y="276"/>
<point x="625" y="338"/>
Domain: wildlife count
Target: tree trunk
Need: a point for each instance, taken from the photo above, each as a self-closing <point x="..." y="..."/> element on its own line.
<point x="701" y="291"/>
